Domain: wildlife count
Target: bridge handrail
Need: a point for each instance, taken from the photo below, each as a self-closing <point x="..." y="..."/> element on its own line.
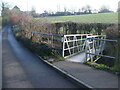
<point x="77" y="34"/>
<point x="101" y="55"/>
<point x="47" y="33"/>
<point x="103" y="39"/>
<point x="93" y="36"/>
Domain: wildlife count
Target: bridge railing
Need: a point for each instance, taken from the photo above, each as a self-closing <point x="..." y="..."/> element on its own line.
<point x="52" y="40"/>
<point x="67" y="44"/>
<point x="73" y="44"/>
<point x="94" y="50"/>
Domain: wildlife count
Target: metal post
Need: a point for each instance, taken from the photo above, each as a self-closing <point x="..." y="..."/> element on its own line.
<point x="63" y="38"/>
<point x="73" y="44"/>
<point x="52" y="41"/>
<point x="81" y="43"/>
<point x="86" y="48"/>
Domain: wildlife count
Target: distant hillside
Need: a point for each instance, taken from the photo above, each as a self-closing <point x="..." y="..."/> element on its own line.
<point x="89" y="18"/>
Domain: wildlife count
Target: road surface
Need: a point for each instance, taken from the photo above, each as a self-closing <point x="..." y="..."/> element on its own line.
<point x="22" y="69"/>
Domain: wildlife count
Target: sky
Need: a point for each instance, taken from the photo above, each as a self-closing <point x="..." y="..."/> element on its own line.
<point x="55" y="5"/>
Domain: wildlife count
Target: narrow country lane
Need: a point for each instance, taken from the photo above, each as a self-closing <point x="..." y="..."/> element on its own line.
<point x="22" y="69"/>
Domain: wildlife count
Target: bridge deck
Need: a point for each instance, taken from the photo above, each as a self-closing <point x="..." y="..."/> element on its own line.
<point x="81" y="57"/>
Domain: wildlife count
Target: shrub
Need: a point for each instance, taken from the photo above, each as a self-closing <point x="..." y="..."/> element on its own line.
<point x="112" y="32"/>
<point x="46" y="57"/>
<point x="60" y="58"/>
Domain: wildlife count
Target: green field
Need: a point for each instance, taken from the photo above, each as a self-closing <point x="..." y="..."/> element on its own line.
<point x="89" y="18"/>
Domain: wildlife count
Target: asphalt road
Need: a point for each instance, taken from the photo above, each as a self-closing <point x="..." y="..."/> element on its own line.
<point x="22" y="69"/>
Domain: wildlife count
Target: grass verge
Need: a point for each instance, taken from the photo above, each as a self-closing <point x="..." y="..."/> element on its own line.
<point x="103" y="67"/>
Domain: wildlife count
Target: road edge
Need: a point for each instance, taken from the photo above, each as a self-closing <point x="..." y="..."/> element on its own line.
<point x="67" y="75"/>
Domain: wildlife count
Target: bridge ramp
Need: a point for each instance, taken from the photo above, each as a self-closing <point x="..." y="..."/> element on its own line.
<point x="81" y="57"/>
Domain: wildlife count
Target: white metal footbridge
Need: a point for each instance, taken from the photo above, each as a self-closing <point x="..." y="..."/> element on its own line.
<point x="75" y="47"/>
<point x="84" y="47"/>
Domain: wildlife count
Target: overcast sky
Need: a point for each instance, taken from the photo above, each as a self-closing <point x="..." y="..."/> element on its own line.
<point x="54" y="5"/>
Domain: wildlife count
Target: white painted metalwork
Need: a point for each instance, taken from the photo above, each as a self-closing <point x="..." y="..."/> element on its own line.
<point x="77" y="43"/>
<point x="98" y="48"/>
<point x="95" y="47"/>
<point x="73" y="44"/>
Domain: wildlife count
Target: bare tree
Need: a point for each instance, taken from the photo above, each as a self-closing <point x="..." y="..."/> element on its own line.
<point x="15" y="15"/>
<point x="104" y="9"/>
<point x="65" y="9"/>
<point x="87" y="9"/>
<point x="5" y="13"/>
<point x="33" y="12"/>
<point x="83" y="9"/>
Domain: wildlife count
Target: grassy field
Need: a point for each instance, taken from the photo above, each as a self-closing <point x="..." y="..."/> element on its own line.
<point x="89" y="18"/>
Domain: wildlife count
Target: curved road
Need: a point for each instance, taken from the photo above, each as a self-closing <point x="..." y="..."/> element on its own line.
<point x="22" y="69"/>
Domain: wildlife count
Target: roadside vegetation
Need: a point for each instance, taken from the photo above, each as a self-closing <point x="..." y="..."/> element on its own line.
<point x="114" y="70"/>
